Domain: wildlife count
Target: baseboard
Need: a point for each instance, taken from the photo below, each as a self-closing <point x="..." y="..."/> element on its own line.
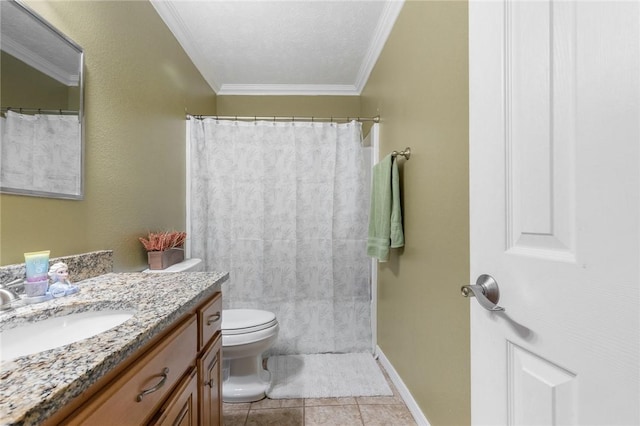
<point x="411" y="403"/>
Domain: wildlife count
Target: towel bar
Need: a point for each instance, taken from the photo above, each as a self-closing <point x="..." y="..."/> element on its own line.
<point x="406" y="153"/>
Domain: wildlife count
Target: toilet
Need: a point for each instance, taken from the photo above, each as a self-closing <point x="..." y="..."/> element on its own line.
<point x="246" y="335"/>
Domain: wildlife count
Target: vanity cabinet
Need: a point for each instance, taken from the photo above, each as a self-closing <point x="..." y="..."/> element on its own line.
<point x="209" y="320"/>
<point x="176" y="380"/>
<point x="209" y="371"/>
<point x="182" y="407"/>
<point x="210" y="361"/>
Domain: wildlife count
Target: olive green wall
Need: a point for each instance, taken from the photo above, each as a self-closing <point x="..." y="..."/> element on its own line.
<point x="26" y="87"/>
<point x="419" y="87"/>
<point x="318" y="106"/>
<point x="138" y="84"/>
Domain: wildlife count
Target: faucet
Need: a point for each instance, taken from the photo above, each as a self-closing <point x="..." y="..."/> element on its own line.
<point x="8" y="295"/>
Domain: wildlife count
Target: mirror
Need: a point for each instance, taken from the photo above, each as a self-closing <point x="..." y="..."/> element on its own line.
<point x="41" y="87"/>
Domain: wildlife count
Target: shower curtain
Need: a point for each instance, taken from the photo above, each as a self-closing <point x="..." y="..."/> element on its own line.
<point x="284" y="208"/>
<point x="35" y="153"/>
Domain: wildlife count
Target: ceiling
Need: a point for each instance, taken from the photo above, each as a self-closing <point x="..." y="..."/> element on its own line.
<point x="279" y="47"/>
<point x="38" y="45"/>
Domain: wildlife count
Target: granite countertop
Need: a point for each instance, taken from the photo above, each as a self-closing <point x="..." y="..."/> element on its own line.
<point x="35" y="386"/>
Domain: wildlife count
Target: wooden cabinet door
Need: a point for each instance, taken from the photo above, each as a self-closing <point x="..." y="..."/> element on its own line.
<point x="181" y="409"/>
<point x="210" y="384"/>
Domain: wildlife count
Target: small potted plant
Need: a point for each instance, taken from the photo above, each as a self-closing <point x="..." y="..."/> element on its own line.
<point x="164" y="248"/>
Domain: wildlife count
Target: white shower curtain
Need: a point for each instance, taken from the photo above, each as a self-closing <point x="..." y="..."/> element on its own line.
<point x="41" y="152"/>
<point x="284" y="208"/>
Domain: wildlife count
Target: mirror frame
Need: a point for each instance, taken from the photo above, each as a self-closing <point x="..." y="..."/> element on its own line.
<point x="81" y="113"/>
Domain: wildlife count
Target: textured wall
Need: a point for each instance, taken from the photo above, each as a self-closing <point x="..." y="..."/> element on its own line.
<point x="319" y="106"/>
<point x="419" y="87"/>
<point x="138" y="84"/>
<point x="26" y="87"/>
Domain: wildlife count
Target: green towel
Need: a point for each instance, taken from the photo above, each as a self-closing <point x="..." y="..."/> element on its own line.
<point x="385" y="217"/>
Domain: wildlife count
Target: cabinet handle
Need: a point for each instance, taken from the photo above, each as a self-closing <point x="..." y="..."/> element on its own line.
<point x="213" y="318"/>
<point x="165" y="374"/>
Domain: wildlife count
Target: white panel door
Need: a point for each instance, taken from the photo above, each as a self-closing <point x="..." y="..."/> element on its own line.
<point x="555" y="211"/>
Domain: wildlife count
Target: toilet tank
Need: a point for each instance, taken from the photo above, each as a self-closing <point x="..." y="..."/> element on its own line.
<point x="187" y="265"/>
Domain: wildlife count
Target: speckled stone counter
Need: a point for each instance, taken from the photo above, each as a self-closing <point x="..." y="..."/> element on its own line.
<point x="35" y="386"/>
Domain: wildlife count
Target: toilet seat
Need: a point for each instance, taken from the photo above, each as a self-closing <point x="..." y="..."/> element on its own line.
<point x="245" y="321"/>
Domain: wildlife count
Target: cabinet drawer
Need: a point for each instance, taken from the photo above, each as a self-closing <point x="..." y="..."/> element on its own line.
<point x="209" y="320"/>
<point x="124" y="401"/>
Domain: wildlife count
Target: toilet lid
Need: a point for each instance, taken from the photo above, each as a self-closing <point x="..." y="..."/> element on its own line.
<point x="240" y="321"/>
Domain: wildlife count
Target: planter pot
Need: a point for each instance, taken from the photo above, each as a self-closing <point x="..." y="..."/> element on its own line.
<point x="166" y="258"/>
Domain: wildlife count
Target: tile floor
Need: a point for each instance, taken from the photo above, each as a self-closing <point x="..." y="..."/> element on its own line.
<point x="367" y="411"/>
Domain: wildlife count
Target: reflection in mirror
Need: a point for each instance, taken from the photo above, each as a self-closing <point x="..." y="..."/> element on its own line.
<point x="41" y="87"/>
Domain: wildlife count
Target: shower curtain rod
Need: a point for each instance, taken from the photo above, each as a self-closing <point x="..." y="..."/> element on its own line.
<point x="289" y="118"/>
<point x="39" y="110"/>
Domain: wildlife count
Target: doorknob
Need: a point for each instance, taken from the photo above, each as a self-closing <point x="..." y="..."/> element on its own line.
<point x="485" y="291"/>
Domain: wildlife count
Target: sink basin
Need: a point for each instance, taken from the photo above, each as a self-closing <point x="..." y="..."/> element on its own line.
<point x="58" y="331"/>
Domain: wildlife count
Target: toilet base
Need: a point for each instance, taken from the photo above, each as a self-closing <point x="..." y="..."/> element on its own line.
<point x="245" y="383"/>
<point x="244" y="378"/>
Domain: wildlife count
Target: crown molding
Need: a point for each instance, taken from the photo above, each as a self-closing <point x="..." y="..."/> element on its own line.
<point x="385" y="25"/>
<point x="181" y="32"/>
<point x="36" y="61"/>
<point x="289" y="89"/>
